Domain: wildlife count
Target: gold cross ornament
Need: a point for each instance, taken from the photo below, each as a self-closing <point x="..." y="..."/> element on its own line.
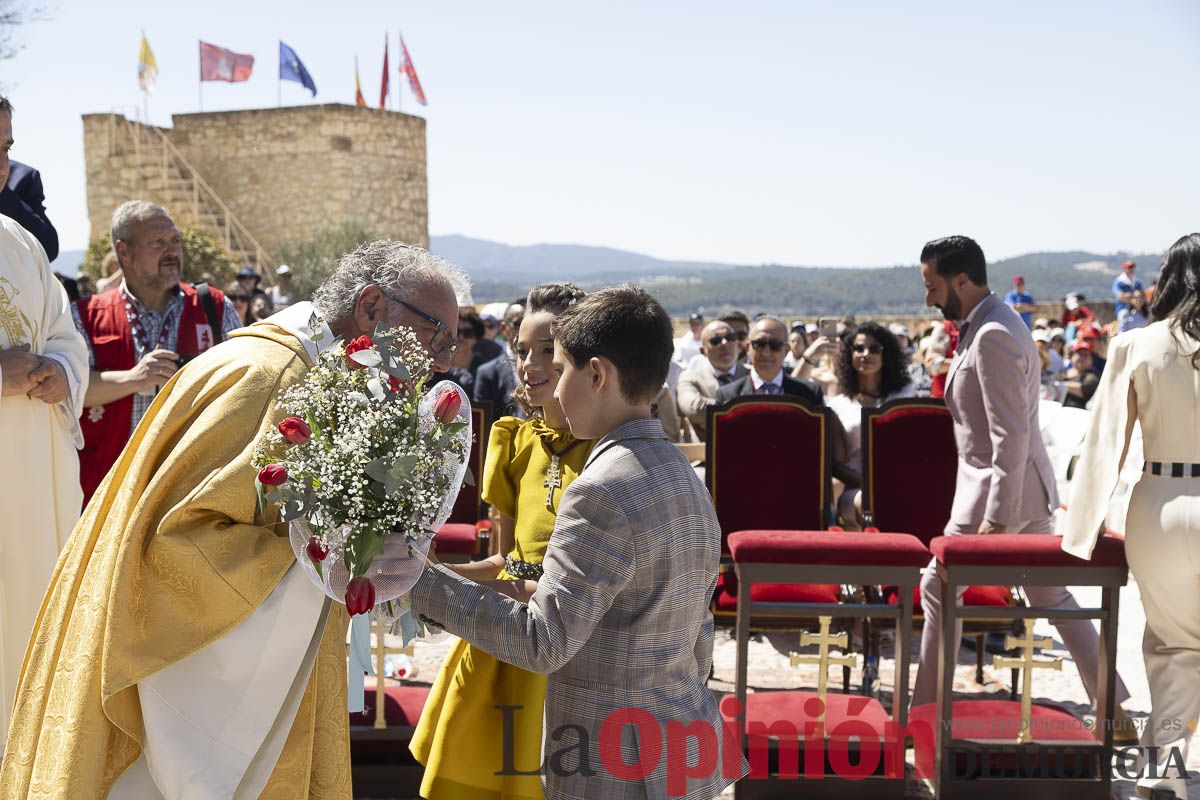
<point x="553" y="481"/>
<point x="823" y="659"/>
<point x="1027" y="664"/>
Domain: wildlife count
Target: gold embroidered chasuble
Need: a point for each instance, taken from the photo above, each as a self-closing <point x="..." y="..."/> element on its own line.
<point x="168" y="557"/>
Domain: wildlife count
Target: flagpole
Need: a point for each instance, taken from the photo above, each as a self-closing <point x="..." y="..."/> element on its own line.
<point x="399" y="55"/>
<point x="397" y="85"/>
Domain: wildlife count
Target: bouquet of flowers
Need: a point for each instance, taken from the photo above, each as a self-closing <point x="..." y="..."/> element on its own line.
<point x="366" y="466"/>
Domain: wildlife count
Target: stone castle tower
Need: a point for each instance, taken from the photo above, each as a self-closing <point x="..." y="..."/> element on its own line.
<point x="259" y="179"/>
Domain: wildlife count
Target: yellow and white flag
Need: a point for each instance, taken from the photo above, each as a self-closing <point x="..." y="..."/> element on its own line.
<point x="147" y="68"/>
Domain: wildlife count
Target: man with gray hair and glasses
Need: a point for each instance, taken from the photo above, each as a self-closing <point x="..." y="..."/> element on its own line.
<point x="140" y="332"/>
<point x="185" y="600"/>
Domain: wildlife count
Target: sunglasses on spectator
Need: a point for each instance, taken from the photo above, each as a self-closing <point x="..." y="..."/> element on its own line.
<point x="239" y="298"/>
<point x="774" y="345"/>
<point x="873" y="349"/>
<point x="717" y="341"/>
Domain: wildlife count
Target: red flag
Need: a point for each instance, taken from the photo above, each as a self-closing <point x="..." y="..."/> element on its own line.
<point x="383" y="92"/>
<point x="407" y="68"/>
<point x="219" y="64"/>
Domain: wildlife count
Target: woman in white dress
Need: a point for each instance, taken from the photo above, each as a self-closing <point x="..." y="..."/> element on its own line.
<point x="1153" y="377"/>
<point x="871" y="370"/>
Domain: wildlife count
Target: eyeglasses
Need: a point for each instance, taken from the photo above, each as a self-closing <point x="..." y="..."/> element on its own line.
<point x="873" y="349"/>
<point x="442" y="339"/>
<point x="239" y="298"/>
<point x="774" y="345"/>
<point x="717" y="341"/>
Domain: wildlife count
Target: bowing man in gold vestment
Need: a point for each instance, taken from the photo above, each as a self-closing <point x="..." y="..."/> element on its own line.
<point x="178" y="653"/>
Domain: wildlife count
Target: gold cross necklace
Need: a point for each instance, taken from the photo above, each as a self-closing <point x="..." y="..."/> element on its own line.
<point x="553" y="473"/>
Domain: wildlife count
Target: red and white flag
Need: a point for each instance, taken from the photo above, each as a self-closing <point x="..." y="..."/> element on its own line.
<point x="407" y="68"/>
<point x="219" y="64"/>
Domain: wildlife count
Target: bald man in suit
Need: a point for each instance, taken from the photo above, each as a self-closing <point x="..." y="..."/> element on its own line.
<point x="768" y="344"/>
<point x="1005" y="480"/>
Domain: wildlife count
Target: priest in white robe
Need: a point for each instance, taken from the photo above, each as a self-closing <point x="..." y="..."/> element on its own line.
<point x="44" y="372"/>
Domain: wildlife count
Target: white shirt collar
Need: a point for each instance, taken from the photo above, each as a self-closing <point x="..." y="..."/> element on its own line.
<point x="717" y="373"/>
<point x="757" y="381"/>
<point x="975" y="310"/>
<point x="305" y="323"/>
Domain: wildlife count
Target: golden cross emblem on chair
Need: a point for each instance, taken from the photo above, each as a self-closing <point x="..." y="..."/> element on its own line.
<point x="1027" y="664"/>
<point x="382" y="651"/>
<point x="823" y="640"/>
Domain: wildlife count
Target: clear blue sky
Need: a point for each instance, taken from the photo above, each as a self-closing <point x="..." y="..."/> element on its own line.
<point x="819" y="133"/>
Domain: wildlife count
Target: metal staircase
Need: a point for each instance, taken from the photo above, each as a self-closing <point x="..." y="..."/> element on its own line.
<point x="170" y="179"/>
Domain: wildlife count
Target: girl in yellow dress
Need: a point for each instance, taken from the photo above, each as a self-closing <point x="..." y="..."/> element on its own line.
<point x="461" y="736"/>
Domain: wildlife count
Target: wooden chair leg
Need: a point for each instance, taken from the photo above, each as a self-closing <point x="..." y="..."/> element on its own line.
<point x="979" y="642"/>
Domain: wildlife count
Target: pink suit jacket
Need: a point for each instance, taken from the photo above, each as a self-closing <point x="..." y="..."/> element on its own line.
<point x="992" y="390"/>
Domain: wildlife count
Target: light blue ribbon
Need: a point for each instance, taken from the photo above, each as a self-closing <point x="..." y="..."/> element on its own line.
<point x="360" y="662"/>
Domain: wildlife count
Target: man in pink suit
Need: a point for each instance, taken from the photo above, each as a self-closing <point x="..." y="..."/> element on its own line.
<point x="1005" y="480"/>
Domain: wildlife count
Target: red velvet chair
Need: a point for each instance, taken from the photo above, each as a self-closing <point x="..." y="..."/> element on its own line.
<point x="977" y="753"/>
<point x="765" y="557"/>
<point x="769" y="467"/>
<point x="909" y="468"/>
<point x="464" y="536"/>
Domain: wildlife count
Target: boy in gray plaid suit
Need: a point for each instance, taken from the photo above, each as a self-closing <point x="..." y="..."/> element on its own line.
<point x="620" y="620"/>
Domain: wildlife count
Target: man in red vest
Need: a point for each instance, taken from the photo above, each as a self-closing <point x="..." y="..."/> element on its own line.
<point x="140" y="333"/>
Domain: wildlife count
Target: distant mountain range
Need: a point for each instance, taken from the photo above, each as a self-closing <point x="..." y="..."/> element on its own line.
<point x="504" y="272"/>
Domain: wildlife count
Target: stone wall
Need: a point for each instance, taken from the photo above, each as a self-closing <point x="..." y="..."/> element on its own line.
<point x="284" y="172"/>
<point x="118" y="168"/>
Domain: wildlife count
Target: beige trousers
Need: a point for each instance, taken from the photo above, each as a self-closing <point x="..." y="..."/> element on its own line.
<point x="1163" y="548"/>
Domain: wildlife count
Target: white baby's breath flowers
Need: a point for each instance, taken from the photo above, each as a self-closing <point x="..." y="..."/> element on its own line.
<point x="372" y="468"/>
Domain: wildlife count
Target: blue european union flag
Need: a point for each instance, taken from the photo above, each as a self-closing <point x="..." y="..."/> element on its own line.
<point x="291" y="68"/>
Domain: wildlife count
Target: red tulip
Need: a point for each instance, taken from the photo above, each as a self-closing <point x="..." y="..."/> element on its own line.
<point x="317" y="550"/>
<point x="445" y="410"/>
<point x="272" y="475"/>
<point x="295" y="430"/>
<point x="353" y="346"/>
<point x="360" y="596"/>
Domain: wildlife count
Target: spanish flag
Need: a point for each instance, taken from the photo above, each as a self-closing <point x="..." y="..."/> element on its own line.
<point x="147" y="68"/>
<point x="358" y="95"/>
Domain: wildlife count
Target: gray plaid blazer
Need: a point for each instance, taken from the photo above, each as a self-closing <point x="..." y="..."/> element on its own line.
<point x="620" y="619"/>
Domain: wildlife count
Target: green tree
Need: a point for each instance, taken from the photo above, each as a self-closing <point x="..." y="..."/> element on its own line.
<point x="204" y="258"/>
<point x="313" y="259"/>
<point x="13" y="14"/>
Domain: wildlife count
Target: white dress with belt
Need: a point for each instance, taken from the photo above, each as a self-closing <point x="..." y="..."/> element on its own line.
<point x="1162" y="526"/>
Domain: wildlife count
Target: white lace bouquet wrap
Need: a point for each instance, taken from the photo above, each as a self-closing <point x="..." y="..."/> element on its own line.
<point x="367" y="466"/>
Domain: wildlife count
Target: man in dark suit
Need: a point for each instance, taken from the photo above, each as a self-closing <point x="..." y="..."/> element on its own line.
<point x="494" y="383"/>
<point x="496" y="379"/>
<point x="768" y="343"/>
<point x="21" y="195"/>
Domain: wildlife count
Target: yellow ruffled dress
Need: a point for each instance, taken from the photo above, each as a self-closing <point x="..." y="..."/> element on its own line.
<point x="460" y="738"/>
